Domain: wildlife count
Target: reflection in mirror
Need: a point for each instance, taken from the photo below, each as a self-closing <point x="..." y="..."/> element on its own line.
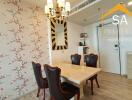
<point x="59" y="31"/>
<point x="59" y="34"/>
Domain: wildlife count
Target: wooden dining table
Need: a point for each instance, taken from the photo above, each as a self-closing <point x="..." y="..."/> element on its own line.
<point x="76" y="74"/>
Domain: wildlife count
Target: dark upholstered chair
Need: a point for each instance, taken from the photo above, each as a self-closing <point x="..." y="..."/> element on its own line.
<point x="41" y="82"/>
<point x="91" y="61"/>
<point x="58" y="90"/>
<point x="76" y="58"/>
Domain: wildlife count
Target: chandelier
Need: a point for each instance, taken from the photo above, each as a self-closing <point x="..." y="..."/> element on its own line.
<point x="58" y="10"/>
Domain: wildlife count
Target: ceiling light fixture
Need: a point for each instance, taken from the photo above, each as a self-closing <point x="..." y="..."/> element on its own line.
<point x="130" y="3"/>
<point x="59" y="11"/>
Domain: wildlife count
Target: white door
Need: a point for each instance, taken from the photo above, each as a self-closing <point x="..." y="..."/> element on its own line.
<point x="109" y="48"/>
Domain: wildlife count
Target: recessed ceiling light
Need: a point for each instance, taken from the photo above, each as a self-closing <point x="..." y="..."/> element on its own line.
<point x="130" y="3"/>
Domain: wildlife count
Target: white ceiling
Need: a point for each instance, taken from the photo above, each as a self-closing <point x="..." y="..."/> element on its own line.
<point x="88" y="15"/>
<point x="42" y="3"/>
<point x="91" y="14"/>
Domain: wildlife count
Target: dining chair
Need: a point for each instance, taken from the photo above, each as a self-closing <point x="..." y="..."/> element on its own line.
<point x="75" y="59"/>
<point x="91" y="61"/>
<point x="58" y="90"/>
<point x="41" y="82"/>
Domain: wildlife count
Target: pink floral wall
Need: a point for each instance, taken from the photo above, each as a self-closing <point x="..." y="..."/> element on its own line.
<point x="23" y="39"/>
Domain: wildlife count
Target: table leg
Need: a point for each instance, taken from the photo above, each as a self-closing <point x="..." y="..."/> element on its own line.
<point x="81" y="91"/>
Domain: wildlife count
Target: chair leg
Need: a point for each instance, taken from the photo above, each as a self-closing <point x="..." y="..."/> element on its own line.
<point x="44" y="95"/>
<point x="97" y="82"/>
<point x="86" y="82"/>
<point x="78" y="96"/>
<point x="38" y="92"/>
<point x="92" y="87"/>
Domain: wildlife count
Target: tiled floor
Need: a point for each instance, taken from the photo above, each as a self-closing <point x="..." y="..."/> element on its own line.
<point x="112" y="87"/>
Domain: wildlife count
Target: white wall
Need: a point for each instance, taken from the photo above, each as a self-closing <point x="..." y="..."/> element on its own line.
<point x="74" y="31"/>
<point x="91" y="41"/>
<point x="125" y="39"/>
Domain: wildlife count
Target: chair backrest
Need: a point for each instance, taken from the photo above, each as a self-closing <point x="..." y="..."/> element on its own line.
<point x="37" y="73"/>
<point x="75" y="59"/>
<point x="91" y="60"/>
<point x="53" y="77"/>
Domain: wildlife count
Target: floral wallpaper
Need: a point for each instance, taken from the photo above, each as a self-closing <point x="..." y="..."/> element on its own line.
<point x="23" y="39"/>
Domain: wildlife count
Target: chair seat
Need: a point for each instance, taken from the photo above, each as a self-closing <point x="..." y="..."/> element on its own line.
<point x="44" y="83"/>
<point x="69" y="90"/>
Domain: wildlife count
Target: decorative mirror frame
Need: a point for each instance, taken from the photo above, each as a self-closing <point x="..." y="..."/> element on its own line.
<point x="53" y="34"/>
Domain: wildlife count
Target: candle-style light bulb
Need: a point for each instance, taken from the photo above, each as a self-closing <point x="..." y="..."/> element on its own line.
<point x="46" y="9"/>
<point x="50" y="3"/>
<point x="61" y="3"/>
<point x="68" y="6"/>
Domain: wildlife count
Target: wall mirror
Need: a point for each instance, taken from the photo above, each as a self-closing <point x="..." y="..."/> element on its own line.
<point x="59" y="34"/>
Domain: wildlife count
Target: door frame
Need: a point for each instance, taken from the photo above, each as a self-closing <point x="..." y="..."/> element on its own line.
<point x="98" y="45"/>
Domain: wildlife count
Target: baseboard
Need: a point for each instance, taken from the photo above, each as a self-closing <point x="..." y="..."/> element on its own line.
<point x="124" y="75"/>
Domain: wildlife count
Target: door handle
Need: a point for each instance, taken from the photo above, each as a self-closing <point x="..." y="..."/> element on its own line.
<point x="116" y="45"/>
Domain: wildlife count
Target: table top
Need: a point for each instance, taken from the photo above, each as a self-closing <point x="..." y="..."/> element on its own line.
<point x="76" y="73"/>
